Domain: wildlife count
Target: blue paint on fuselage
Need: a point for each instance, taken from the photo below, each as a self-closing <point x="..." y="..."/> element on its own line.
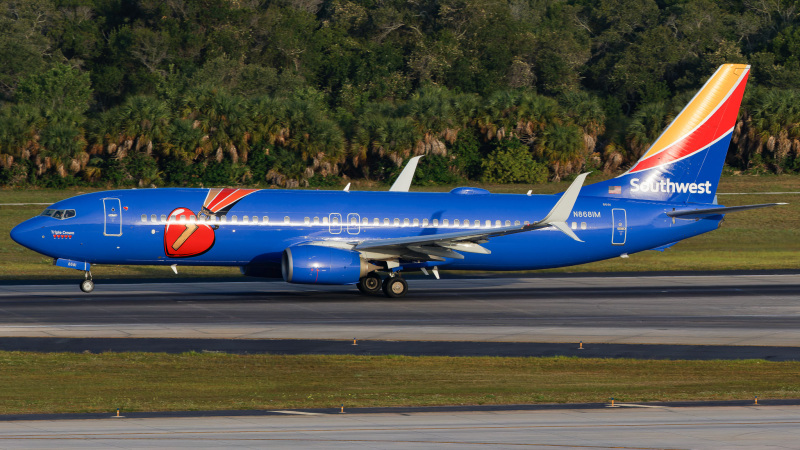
<point x="82" y="238"/>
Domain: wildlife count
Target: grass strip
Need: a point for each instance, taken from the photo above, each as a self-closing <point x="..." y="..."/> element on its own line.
<point x="82" y="382"/>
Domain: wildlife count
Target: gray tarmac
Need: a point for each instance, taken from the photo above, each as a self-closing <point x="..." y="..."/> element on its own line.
<point x="625" y="426"/>
<point x="746" y="314"/>
<point x="730" y="310"/>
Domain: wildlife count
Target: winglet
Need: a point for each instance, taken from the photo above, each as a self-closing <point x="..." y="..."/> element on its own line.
<point x="403" y="182"/>
<point x="347" y="188"/>
<point x="558" y="216"/>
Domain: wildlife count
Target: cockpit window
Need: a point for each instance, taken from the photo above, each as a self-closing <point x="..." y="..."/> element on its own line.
<point x="59" y="214"/>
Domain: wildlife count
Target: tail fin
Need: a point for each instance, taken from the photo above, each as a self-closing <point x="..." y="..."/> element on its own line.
<point x="685" y="162"/>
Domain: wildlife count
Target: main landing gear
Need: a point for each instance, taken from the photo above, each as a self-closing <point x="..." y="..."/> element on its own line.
<point x="393" y="286"/>
<point x="87" y="285"/>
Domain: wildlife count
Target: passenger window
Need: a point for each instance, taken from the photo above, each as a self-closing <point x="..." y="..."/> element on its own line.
<point x="335" y="220"/>
<point x="153" y="218"/>
<point x="353" y="221"/>
<point x="583" y="225"/>
<point x="436" y="222"/>
<point x="508" y="222"/>
<point x="324" y="220"/>
<point x="255" y="219"/>
<point x="306" y="220"/>
<point x="163" y="218"/>
<point x="497" y="223"/>
<point x="405" y="222"/>
<point x="376" y="221"/>
<point x="456" y="223"/>
<point x="574" y="225"/>
<point x="245" y="219"/>
<point x="316" y="220"/>
<point x="396" y="222"/>
<point x="286" y="219"/>
<point x="488" y="224"/>
<point x="234" y="219"/>
<point x="445" y="222"/>
<point x="477" y="224"/>
<point x="223" y="219"/>
<point x="365" y="221"/>
<point x="265" y="219"/>
<point x="424" y="222"/>
<point x="144" y="217"/>
<point x="416" y="222"/>
<point x="527" y="223"/>
<point x="516" y="222"/>
<point x="386" y="221"/>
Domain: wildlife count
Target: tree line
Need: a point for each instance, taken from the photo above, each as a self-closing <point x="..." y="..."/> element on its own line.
<point x="305" y="92"/>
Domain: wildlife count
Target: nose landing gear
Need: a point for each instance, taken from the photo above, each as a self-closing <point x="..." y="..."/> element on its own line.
<point x="87" y="285"/>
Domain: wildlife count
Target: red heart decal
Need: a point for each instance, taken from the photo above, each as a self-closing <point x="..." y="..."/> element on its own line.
<point x="184" y="237"/>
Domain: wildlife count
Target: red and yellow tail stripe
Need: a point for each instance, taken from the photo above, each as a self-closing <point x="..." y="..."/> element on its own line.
<point x="710" y="116"/>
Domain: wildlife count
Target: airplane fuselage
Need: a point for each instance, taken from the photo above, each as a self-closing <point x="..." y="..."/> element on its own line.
<point x="149" y="226"/>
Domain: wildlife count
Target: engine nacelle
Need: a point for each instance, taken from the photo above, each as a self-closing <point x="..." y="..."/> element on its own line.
<point x="315" y="264"/>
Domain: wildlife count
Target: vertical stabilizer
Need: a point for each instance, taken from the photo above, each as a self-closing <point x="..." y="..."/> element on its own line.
<point x="684" y="164"/>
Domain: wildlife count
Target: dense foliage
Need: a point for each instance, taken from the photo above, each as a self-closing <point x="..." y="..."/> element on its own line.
<point x="304" y="92"/>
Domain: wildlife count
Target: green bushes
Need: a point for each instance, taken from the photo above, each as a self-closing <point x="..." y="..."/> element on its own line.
<point x="511" y="162"/>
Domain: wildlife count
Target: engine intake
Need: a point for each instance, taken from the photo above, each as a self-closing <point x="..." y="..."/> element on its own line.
<point x="315" y="264"/>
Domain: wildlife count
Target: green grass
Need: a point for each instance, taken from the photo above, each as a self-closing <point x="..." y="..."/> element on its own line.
<point x="750" y="240"/>
<point x="69" y="382"/>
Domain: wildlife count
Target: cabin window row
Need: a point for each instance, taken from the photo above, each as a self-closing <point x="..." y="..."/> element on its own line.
<point x="396" y="222"/>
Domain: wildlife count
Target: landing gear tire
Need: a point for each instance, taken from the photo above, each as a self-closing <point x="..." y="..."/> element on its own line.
<point x="87" y="286"/>
<point x="395" y="287"/>
<point x="370" y="284"/>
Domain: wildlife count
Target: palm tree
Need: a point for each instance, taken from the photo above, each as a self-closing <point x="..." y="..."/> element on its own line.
<point x="184" y="141"/>
<point x="63" y="148"/>
<point x="19" y="132"/>
<point x="562" y="147"/>
<point x="645" y="127"/>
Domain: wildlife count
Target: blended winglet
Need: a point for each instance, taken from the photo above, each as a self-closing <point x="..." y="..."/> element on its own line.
<point x="558" y="216"/>
<point x="403" y="182"/>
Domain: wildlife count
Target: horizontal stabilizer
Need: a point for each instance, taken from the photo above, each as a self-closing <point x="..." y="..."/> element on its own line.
<point x="701" y="213"/>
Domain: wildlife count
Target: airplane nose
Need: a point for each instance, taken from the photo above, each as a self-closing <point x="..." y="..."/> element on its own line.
<point x="25" y="233"/>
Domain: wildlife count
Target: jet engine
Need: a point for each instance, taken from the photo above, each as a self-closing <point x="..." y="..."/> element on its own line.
<point x="315" y="264"/>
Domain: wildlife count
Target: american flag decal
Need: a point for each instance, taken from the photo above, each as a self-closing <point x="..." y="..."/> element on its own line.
<point x="615" y="190"/>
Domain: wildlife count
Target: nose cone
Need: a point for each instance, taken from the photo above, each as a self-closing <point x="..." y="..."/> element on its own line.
<point x="26" y="233"/>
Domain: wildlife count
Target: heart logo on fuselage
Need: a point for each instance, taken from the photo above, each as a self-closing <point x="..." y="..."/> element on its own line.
<point x="184" y="237"/>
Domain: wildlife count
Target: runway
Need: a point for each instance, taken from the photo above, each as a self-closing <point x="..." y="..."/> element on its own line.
<point x="630" y="426"/>
<point x="733" y="310"/>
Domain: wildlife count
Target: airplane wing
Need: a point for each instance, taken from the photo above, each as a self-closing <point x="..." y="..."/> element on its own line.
<point x="701" y="213"/>
<point x="436" y="247"/>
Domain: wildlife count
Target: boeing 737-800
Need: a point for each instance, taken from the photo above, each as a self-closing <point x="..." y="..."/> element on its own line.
<point x="370" y="238"/>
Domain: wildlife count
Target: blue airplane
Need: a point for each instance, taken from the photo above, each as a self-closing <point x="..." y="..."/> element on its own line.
<point x="370" y="238"/>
